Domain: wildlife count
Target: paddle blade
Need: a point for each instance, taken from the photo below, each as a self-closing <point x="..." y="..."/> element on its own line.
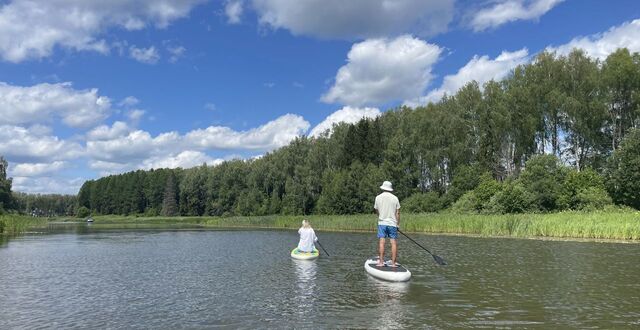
<point x="439" y="260"/>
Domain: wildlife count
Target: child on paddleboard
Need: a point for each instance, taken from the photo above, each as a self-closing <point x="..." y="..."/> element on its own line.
<point x="307" y="237"/>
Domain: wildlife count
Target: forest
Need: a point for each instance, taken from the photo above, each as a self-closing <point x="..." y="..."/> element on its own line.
<point x="559" y="133"/>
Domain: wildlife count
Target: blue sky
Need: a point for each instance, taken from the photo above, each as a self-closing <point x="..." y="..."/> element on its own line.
<point x="92" y="88"/>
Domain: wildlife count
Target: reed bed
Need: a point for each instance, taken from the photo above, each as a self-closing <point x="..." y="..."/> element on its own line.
<point x="618" y="225"/>
<point x="16" y="224"/>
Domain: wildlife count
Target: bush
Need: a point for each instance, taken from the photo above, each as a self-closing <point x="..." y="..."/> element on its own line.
<point x="83" y="212"/>
<point x="592" y="198"/>
<point x="583" y="190"/>
<point x="427" y="202"/>
<point x="513" y="198"/>
<point x="465" y="204"/>
<point x="543" y="177"/>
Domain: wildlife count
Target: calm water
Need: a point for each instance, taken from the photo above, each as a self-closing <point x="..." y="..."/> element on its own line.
<point x="85" y="277"/>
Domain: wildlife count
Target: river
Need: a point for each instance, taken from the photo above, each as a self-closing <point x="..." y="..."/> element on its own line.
<point x="81" y="276"/>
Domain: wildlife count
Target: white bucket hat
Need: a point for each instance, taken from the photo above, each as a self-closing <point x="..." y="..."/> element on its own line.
<point x="386" y="186"/>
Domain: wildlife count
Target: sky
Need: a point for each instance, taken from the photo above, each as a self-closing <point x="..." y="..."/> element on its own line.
<point x="94" y="88"/>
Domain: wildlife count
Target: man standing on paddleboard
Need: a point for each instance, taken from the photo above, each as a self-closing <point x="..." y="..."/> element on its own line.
<point x="387" y="207"/>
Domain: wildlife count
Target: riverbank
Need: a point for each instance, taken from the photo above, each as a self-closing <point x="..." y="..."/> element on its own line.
<point x="610" y="225"/>
<point x="17" y="224"/>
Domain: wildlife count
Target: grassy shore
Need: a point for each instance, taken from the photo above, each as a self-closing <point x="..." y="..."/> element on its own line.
<point x="16" y="224"/>
<point x="618" y="225"/>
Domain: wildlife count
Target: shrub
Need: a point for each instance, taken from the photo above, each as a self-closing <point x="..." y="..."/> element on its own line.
<point x="83" y="212"/>
<point x="592" y="198"/>
<point x="513" y="198"/>
<point x="543" y="177"/>
<point x="423" y="202"/>
<point x="465" y="204"/>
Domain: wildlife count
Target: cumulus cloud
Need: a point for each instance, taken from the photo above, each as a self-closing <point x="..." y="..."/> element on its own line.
<point x="356" y="18"/>
<point x="481" y="69"/>
<point x="104" y="132"/>
<point x="345" y="115"/>
<point x="383" y="70"/>
<point x="233" y="10"/>
<point x="506" y="11"/>
<point x="185" y="159"/>
<point x="602" y="44"/>
<point x="118" y="148"/>
<point x="274" y="134"/>
<point x="23" y="146"/>
<point x="144" y="55"/>
<point x="39" y="103"/>
<point x="36" y="169"/>
<point x="47" y="185"/>
<point x="129" y="101"/>
<point x="33" y="29"/>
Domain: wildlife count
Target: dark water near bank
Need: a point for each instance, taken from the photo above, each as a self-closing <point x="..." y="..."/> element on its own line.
<point x="86" y="277"/>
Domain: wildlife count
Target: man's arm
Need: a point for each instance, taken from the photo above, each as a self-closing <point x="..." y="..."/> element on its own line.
<point x="398" y="217"/>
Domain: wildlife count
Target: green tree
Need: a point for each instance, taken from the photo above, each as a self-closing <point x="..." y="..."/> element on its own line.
<point x="623" y="171"/>
<point x="5" y="186"/>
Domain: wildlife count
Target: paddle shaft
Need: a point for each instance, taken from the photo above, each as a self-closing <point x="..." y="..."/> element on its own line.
<point x="323" y="249"/>
<point x="435" y="257"/>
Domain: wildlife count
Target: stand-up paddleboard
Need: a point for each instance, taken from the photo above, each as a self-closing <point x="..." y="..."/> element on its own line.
<point x="386" y="272"/>
<point x="297" y="254"/>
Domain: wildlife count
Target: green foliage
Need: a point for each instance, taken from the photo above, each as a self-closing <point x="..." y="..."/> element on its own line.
<point x="584" y="190"/>
<point x="513" y="198"/>
<point x="427" y="202"/>
<point x="83" y="212"/>
<point x="543" y="177"/>
<point x="6" y="200"/>
<point x="623" y="171"/>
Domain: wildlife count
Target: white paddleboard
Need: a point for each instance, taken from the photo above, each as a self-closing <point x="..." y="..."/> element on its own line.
<point x="386" y="272"/>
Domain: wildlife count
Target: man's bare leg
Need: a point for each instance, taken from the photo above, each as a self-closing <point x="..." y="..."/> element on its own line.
<point x="394" y="252"/>
<point x="381" y="252"/>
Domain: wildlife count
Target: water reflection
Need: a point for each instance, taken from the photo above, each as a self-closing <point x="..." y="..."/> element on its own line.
<point x="391" y="311"/>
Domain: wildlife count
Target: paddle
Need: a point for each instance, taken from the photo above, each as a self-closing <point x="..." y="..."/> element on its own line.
<point x="325" y="251"/>
<point x="437" y="259"/>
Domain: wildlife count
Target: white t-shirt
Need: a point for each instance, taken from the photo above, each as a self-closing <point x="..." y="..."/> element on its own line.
<point x="387" y="204"/>
<point x="307" y="237"/>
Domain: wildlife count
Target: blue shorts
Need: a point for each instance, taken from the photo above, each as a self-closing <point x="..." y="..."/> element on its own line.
<point x="387" y="231"/>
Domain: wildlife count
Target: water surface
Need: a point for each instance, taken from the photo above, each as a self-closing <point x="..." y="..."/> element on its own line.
<point x="86" y="277"/>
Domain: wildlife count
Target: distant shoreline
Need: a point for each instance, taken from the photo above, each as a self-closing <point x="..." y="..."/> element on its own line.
<point x="623" y="226"/>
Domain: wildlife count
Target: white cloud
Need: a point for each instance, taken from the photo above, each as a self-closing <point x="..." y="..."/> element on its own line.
<point x="356" y="18"/>
<point x="382" y="70"/>
<point x="481" y="69"/>
<point x="185" y="159"/>
<point x="129" y="101"/>
<point x="506" y="11"/>
<point x="21" y="145"/>
<point x="104" y="132"/>
<point x="118" y="148"/>
<point x="177" y="52"/>
<point x="135" y="115"/>
<point x="47" y="185"/>
<point x="144" y="55"/>
<point x="36" y="169"/>
<point x="274" y="134"/>
<point x="135" y="146"/>
<point x="602" y="44"/>
<point x="39" y="103"/>
<point x="345" y="115"/>
<point x="33" y="29"/>
<point x="233" y="10"/>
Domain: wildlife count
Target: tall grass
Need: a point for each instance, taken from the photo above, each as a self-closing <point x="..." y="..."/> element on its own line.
<point x="15" y="224"/>
<point x="621" y="225"/>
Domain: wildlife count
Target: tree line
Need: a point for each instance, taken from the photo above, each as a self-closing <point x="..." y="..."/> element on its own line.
<point x="558" y="133"/>
<point x="548" y="137"/>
